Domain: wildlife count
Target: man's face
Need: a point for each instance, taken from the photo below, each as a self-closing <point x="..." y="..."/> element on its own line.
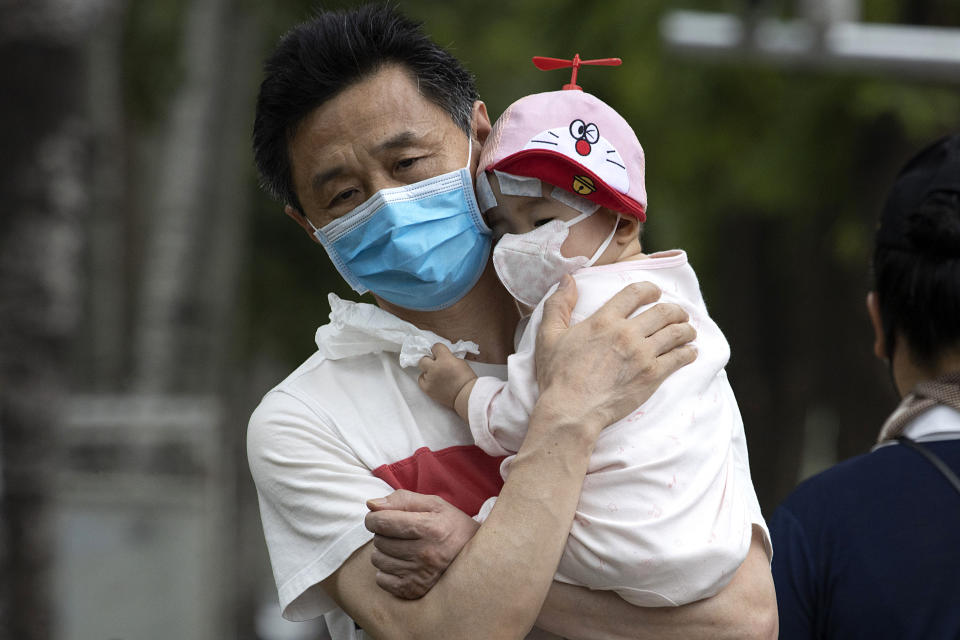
<point x="375" y="134"/>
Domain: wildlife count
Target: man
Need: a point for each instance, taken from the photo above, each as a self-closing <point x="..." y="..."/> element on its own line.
<point x="370" y="134"/>
<point x="868" y="548"/>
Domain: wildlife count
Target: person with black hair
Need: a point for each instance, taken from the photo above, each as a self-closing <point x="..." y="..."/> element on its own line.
<point x="868" y="548"/>
<point x="369" y="133"/>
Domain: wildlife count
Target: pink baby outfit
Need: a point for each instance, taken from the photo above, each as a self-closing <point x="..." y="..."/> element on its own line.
<point x="667" y="506"/>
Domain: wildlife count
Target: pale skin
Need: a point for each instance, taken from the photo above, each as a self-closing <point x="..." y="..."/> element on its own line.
<point x="379" y="133"/>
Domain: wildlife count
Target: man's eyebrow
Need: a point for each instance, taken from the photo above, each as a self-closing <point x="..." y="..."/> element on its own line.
<point x="321" y="179"/>
<point x="402" y="139"/>
<point x="399" y="141"/>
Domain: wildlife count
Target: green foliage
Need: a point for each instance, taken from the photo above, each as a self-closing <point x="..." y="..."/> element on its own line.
<point x="810" y="150"/>
<point x="152" y="67"/>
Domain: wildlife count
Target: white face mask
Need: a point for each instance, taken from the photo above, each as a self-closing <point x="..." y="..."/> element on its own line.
<point x="530" y="263"/>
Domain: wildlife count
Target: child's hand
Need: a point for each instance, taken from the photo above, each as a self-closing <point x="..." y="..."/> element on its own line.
<point x="443" y="375"/>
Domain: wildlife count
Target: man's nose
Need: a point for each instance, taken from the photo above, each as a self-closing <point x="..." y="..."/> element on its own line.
<point x="380" y="181"/>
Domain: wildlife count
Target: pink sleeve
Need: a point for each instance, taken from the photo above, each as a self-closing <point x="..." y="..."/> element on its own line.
<point x="499" y="411"/>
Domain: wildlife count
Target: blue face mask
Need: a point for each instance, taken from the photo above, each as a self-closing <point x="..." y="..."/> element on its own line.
<point x="420" y="246"/>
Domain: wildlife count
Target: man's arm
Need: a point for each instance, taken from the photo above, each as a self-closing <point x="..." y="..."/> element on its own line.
<point x="498" y="582"/>
<point x="436" y="531"/>
<point x="744" y="609"/>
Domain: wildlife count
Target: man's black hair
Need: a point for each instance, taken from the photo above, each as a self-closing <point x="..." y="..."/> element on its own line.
<point x="916" y="260"/>
<point x="318" y="59"/>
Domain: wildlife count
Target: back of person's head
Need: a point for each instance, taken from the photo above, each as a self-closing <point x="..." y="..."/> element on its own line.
<point x="916" y="259"/>
<point x="318" y="59"/>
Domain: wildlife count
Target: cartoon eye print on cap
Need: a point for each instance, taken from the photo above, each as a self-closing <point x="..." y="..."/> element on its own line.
<point x="585" y="135"/>
<point x="582" y="143"/>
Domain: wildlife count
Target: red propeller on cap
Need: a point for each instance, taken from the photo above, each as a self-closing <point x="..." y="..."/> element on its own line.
<point x="548" y="64"/>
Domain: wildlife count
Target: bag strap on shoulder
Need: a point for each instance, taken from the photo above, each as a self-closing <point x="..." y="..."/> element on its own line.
<point x="934" y="460"/>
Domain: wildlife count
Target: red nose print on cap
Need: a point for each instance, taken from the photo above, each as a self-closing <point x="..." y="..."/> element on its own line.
<point x="583" y="147"/>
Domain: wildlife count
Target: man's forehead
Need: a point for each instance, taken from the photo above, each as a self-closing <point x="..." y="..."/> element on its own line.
<point x="373" y="126"/>
<point x="380" y="105"/>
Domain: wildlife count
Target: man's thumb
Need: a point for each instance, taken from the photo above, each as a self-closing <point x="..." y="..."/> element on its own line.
<point x="402" y="500"/>
<point x="558" y="307"/>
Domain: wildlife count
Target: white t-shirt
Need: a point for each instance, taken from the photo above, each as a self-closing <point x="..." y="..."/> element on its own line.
<point x="666" y="512"/>
<point x="351" y="424"/>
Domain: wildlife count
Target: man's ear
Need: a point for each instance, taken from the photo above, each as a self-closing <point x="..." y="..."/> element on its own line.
<point x="879" y="340"/>
<point x="480" y="122"/>
<point x="301" y="220"/>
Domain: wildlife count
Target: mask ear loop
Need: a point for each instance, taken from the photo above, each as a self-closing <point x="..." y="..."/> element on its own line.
<point x="580" y="218"/>
<point x="606" y="243"/>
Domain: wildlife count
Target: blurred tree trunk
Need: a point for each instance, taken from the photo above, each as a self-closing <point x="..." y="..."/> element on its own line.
<point x="771" y="368"/>
<point x="194" y="171"/>
<point x="195" y="208"/>
<point x="809" y="389"/>
<point x="43" y="185"/>
<point x="103" y="353"/>
<point x="71" y="184"/>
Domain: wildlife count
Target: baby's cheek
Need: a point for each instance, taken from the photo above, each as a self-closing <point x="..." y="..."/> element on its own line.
<point x="575" y="244"/>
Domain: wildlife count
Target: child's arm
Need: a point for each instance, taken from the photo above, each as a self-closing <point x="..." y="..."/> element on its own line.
<point x="462" y="404"/>
<point x="447" y="379"/>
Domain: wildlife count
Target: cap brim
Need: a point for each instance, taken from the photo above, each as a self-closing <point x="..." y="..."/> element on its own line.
<point x="559" y="170"/>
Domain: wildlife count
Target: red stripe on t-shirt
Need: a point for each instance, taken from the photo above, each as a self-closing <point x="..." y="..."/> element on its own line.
<point x="464" y="476"/>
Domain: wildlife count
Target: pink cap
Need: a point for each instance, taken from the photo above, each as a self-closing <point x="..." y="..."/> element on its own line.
<point x="574" y="141"/>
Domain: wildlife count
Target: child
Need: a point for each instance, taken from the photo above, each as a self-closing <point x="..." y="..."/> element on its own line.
<point x="666" y="512"/>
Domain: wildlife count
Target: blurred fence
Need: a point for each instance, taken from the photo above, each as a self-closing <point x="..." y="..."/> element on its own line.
<point x="139" y="507"/>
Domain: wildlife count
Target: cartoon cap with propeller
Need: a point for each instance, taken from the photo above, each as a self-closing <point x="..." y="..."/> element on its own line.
<point x="572" y="140"/>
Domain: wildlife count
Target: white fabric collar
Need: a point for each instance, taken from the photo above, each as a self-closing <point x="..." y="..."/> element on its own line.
<point x="939" y="423"/>
<point x="358" y="328"/>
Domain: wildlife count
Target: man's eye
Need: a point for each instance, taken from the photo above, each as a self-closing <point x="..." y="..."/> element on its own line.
<point x="343" y="196"/>
<point x="406" y="163"/>
<point x="540" y="223"/>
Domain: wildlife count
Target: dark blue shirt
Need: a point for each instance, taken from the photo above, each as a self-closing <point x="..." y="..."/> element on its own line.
<point x="871" y="549"/>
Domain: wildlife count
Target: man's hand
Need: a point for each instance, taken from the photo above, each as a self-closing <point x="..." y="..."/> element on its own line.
<point x="416" y="537"/>
<point x="606" y="366"/>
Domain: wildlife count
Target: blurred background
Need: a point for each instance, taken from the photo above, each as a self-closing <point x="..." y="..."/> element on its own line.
<point x="150" y="293"/>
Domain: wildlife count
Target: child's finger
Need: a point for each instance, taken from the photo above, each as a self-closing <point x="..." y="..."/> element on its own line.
<point x="426" y="362"/>
<point x="440" y="350"/>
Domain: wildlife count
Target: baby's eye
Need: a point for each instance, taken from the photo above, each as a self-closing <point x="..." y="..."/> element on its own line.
<point x="540" y="223"/>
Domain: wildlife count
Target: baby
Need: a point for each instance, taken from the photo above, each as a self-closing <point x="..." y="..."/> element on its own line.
<point x="666" y="512"/>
